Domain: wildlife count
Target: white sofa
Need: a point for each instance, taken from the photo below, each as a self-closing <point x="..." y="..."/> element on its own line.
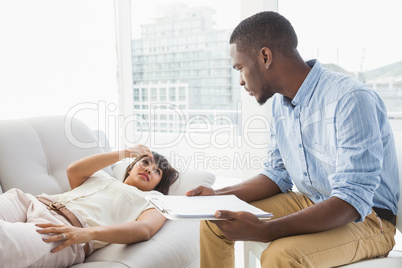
<point x="253" y="250"/>
<point x="34" y="154"/>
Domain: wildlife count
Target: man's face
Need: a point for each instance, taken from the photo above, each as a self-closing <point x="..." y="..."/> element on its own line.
<point x="252" y="74"/>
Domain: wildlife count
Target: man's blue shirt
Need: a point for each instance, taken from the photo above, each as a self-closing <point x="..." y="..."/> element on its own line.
<point x="334" y="139"/>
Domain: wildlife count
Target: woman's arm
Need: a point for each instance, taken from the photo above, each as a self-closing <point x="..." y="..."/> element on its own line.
<point x="79" y="171"/>
<point x="147" y="224"/>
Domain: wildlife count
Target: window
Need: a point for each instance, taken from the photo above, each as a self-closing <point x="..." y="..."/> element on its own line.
<point x="136" y="94"/>
<point x="352" y="42"/>
<point x="144" y="94"/>
<point x="162" y="94"/>
<point x="363" y="42"/>
<point x="182" y="94"/>
<point x="172" y="94"/>
<point x="182" y="49"/>
<point x="154" y="94"/>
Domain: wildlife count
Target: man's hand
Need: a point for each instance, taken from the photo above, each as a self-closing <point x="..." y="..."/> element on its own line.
<point x="331" y="213"/>
<point x="201" y="190"/>
<point x="241" y="226"/>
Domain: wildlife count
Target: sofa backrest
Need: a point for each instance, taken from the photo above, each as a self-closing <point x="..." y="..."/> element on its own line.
<point x="35" y="152"/>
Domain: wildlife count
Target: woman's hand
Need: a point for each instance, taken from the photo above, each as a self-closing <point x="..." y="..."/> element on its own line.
<point x="138" y="150"/>
<point x="67" y="235"/>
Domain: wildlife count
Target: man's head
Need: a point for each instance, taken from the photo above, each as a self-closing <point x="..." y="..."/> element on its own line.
<point x="260" y="46"/>
<point x="265" y="29"/>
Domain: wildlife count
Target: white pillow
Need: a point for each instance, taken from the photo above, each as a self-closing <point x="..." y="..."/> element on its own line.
<point x="187" y="180"/>
<point x="119" y="169"/>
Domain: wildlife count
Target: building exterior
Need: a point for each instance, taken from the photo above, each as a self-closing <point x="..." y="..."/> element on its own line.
<point x="183" y="60"/>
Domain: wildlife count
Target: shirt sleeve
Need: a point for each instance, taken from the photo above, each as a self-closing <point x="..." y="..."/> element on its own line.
<point x="359" y="151"/>
<point x="274" y="167"/>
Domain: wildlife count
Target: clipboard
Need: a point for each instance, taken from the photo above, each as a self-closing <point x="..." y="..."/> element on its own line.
<point x="175" y="207"/>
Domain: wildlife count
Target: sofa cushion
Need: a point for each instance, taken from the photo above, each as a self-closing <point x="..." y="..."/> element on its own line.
<point x="175" y="245"/>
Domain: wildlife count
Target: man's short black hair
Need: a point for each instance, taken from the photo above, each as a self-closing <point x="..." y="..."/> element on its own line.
<point x="265" y="29"/>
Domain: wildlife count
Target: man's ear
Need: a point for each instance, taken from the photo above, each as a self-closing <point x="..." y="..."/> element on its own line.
<point x="266" y="55"/>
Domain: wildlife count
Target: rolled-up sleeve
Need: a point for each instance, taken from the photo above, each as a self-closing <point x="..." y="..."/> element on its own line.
<point x="274" y="167"/>
<point x="359" y="152"/>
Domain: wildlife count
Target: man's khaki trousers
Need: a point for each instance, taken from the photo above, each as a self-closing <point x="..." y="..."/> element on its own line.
<point x="338" y="246"/>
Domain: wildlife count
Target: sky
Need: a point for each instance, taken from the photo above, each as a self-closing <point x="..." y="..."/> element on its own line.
<point x="348" y="30"/>
<point x="358" y="35"/>
<point x="227" y="11"/>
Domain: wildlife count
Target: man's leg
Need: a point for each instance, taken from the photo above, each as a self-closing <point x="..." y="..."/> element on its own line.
<point x="338" y="246"/>
<point x="216" y="250"/>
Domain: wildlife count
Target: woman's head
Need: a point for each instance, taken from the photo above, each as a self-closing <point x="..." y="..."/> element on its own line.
<point x="148" y="173"/>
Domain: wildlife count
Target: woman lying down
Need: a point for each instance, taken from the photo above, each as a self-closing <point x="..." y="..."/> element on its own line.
<point x="46" y="231"/>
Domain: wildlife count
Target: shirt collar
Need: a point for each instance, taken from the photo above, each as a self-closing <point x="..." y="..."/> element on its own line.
<point x="304" y="93"/>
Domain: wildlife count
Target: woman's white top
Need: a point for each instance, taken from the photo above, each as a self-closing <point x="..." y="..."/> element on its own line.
<point x="102" y="200"/>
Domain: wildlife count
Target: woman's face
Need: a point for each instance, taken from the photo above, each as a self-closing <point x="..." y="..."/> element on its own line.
<point x="144" y="175"/>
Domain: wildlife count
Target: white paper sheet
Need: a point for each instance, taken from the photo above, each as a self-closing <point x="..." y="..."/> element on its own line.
<point x="201" y="207"/>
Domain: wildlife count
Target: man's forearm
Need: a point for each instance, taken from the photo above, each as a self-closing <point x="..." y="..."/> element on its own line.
<point x="256" y="188"/>
<point x="323" y="216"/>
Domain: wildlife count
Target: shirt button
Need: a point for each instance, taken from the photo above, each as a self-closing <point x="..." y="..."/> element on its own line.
<point x="300" y="145"/>
<point x="305" y="173"/>
<point x="317" y="197"/>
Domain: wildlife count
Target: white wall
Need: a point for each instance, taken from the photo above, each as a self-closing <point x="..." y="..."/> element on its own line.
<point x="55" y="55"/>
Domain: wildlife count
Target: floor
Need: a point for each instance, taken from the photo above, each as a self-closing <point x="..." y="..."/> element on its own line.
<point x="239" y="259"/>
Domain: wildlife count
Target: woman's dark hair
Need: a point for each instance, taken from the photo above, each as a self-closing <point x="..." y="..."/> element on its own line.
<point x="169" y="174"/>
<point x="265" y="29"/>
